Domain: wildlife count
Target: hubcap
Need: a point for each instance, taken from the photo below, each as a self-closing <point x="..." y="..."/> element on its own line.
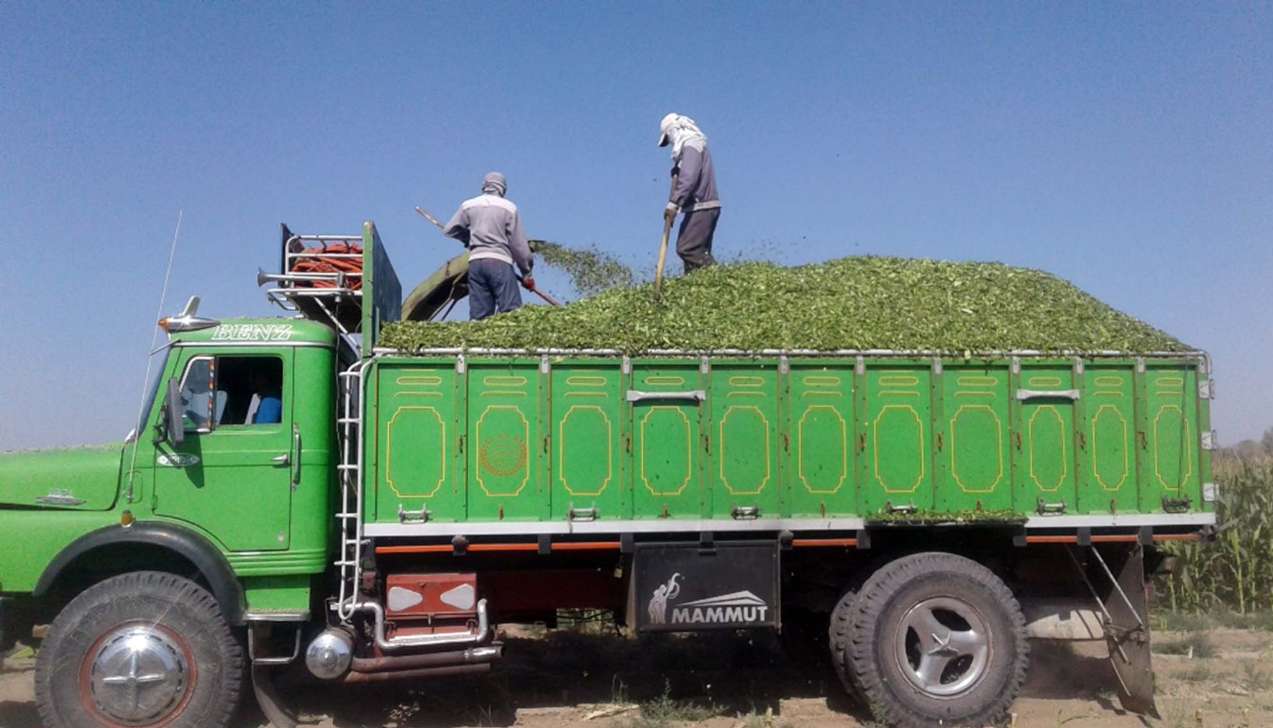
<point x="138" y="676"/>
<point x="943" y="646"/>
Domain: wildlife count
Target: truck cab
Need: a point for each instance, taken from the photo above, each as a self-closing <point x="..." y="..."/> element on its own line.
<point x="217" y="505"/>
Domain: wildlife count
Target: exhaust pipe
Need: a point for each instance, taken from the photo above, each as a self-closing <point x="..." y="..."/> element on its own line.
<point x="454" y="658"/>
<point x="366" y="678"/>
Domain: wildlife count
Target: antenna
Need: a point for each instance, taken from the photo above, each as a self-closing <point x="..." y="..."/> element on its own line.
<point x="150" y="358"/>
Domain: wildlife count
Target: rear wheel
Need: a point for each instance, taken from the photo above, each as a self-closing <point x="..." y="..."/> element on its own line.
<point x="142" y="650"/>
<point x="935" y="639"/>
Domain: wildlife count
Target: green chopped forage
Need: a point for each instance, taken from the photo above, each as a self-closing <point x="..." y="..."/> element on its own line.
<point x="852" y="303"/>
<point x="591" y="270"/>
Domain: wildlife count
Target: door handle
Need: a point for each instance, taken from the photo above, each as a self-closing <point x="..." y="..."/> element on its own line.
<point x="296" y="471"/>
<point x="284" y="459"/>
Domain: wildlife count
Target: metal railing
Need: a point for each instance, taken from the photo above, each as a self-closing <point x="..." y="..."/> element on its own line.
<point x="337" y="287"/>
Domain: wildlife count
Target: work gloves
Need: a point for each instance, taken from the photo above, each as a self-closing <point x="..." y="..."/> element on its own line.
<point x="669" y="213"/>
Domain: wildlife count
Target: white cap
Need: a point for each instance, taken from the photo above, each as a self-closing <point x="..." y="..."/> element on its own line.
<point x="664" y="126"/>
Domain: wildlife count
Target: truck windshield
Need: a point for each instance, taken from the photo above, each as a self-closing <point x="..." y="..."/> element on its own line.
<point x="152" y="390"/>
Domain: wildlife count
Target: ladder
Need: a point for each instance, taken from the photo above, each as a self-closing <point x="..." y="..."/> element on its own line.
<point x="349" y="515"/>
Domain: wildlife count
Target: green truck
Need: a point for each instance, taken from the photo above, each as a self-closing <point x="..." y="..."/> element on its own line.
<point x="296" y="495"/>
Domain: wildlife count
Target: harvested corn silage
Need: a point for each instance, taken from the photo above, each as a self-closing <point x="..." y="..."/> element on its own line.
<point x="852" y="303"/>
<point x="590" y="269"/>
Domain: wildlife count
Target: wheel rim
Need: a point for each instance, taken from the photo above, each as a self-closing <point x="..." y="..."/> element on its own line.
<point x="943" y="646"/>
<point x="137" y="675"/>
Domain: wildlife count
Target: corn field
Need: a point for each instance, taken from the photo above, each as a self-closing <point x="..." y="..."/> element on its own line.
<point x="1236" y="571"/>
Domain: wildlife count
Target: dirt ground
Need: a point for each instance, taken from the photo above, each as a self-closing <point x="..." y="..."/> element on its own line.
<point x="571" y="680"/>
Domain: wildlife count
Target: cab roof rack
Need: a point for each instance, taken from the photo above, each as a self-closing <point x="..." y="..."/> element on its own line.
<point x="343" y="281"/>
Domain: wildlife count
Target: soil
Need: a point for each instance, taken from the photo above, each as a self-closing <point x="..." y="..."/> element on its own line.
<point x="571" y="680"/>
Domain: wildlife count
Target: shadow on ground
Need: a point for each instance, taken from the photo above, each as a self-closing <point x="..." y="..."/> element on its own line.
<point x="725" y="673"/>
<point x="712" y="673"/>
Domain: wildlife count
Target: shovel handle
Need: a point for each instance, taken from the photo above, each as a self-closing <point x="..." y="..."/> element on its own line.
<point x="658" y="272"/>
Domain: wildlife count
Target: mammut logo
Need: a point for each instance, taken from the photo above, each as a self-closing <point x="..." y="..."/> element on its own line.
<point x="740" y="607"/>
<point x="658" y="603"/>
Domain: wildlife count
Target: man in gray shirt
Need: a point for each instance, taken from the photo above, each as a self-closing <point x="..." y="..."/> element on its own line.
<point x="492" y="230"/>
<point x="693" y="190"/>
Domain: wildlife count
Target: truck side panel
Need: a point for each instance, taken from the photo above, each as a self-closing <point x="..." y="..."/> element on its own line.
<point x="667" y="442"/>
<point x="973" y="440"/>
<point x="586" y="438"/>
<point x="507" y="453"/>
<point x="819" y="438"/>
<point x="589" y="429"/>
<point x="742" y="442"/>
<point x="420" y="464"/>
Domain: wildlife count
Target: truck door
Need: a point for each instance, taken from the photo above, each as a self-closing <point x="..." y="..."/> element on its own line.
<point x="668" y="446"/>
<point x="233" y="474"/>
<point x="1044" y="440"/>
<point x="743" y="435"/>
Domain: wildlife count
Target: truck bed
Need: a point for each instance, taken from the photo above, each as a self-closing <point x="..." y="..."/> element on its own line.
<point x="474" y="443"/>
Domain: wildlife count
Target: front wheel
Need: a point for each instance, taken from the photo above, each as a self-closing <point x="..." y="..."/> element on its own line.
<point x="142" y="650"/>
<point x="935" y="639"/>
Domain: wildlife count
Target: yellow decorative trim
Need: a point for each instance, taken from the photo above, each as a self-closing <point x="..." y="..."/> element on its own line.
<point x="972" y="381"/>
<point x="1169" y="382"/>
<point x="765" y="424"/>
<point x="844" y="450"/>
<point x="1185" y="445"/>
<point x="1109" y="382"/>
<point x="820" y="380"/>
<point x="561" y="450"/>
<point x="499" y="393"/>
<point x="389" y="451"/>
<point x="689" y="450"/>
<point x="954" y="464"/>
<point x="1037" y="381"/>
<point x="821" y="394"/>
<point x="504" y="380"/>
<point x="898" y="380"/>
<point x="477" y="449"/>
<point x="418" y="394"/>
<point x="587" y="394"/>
<point x="975" y="394"/>
<point x="875" y="446"/>
<point x="1096" y="443"/>
<point x="746" y="381"/>
<point x="899" y="394"/>
<point x="1060" y="428"/>
<point x="586" y="381"/>
<point x="746" y="394"/>
<point x="670" y="381"/>
<point x="427" y="381"/>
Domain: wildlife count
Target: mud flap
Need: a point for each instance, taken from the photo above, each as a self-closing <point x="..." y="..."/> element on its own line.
<point x="1123" y="590"/>
<point x="689" y="587"/>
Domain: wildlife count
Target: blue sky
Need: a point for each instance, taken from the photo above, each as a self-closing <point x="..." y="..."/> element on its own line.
<point x="1127" y="147"/>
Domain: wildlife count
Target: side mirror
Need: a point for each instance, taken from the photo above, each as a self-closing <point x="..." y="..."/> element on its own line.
<point x="175" y="429"/>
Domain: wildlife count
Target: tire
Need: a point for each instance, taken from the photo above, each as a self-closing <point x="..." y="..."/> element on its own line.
<point x="936" y="639"/>
<point x="840" y="635"/>
<point x="144" y="649"/>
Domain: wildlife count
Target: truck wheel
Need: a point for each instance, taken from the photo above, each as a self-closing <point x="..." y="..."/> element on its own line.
<point x="145" y="649"/>
<point x="840" y="633"/>
<point x="936" y="639"/>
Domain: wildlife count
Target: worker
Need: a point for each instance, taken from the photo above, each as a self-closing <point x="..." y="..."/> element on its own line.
<point x="693" y="190"/>
<point x="266" y="407"/>
<point x="492" y="230"/>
